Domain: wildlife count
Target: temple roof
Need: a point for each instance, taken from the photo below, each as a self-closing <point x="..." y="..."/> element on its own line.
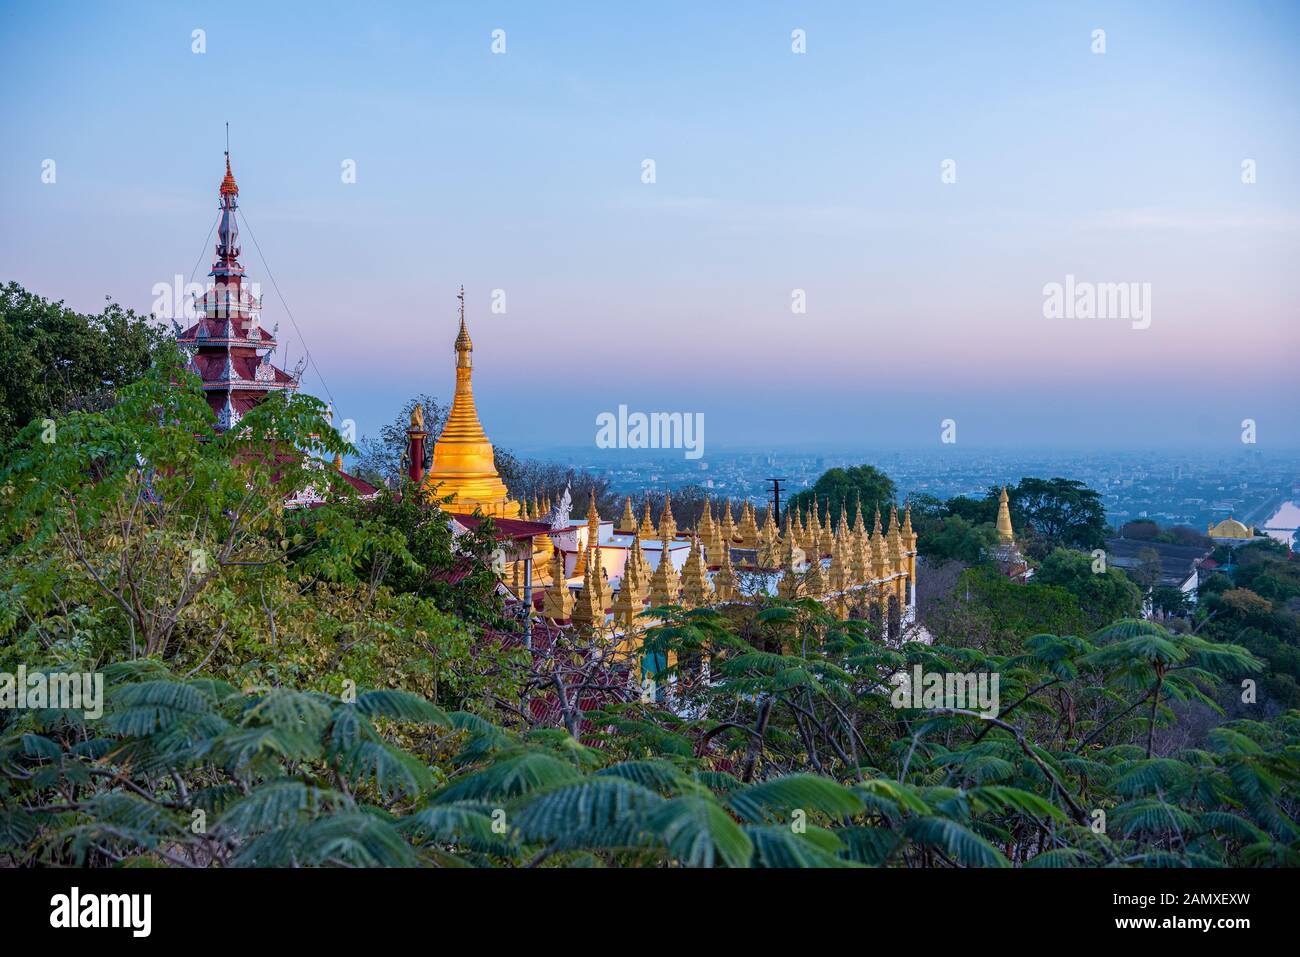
<point x="512" y="528"/>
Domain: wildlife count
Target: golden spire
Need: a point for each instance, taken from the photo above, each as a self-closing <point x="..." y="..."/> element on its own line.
<point x="814" y="582"/>
<point x="593" y="534"/>
<point x="726" y="587"/>
<point x="587" y="610"/>
<point x="813" y="543"/>
<point x="909" y="536"/>
<point x="1005" y="533"/>
<point x="838" y="574"/>
<point x="859" y="550"/>
<point x="727" y="531"/>
<point x="601" y="577"/>
<point x="631" y="592"/>
<point x="708" y="533"/>
<point x="895" y="538"/>
<point x="877" y="550"/>
<point x="769" y="543"/>
<point x="558" y="603"/>
<point x="828" y="535"/>
<point x="464" y="465"/>
<point x="696" y="590"/>
<point x="627" y="524"/>
<point x="647" y="529"/>
<point x="338" y="463"/>
<point x="667" y="524"/>
<point x="794" y="526"/>
<point x="664" y="584"/>
<point x="748" y="526"/>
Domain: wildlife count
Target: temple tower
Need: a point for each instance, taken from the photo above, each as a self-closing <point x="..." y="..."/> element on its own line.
<point x="463" y="462"/>
<point x="229" y="350"/>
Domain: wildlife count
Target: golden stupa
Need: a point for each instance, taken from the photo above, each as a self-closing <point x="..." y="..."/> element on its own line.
<point x="463" y="462"/>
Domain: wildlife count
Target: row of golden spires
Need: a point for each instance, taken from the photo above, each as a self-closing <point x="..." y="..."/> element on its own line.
<point x="857" y="558"/>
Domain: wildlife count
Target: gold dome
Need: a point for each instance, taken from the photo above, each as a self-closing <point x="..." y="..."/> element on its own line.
<point x="1230" y="528"/>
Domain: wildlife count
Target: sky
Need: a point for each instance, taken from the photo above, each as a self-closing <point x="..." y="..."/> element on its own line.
<point x="774" y="171"/>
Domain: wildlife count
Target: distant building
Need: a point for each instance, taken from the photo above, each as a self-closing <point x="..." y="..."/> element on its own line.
<point x="1181" y="566"/>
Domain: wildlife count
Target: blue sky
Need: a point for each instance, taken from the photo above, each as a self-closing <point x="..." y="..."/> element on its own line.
<point x="774" y="172"/>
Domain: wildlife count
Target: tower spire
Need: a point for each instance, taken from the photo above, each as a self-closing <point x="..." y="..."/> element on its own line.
<point x="1005" y="533"/>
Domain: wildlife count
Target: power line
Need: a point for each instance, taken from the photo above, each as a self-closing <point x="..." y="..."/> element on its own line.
<point x="289" y="312"/>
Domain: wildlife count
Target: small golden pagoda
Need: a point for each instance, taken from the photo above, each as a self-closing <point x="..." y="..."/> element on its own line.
<point x="587" y="610"/>
<point x="895" y="539"/>
<point x="748" y="531"/>
<point x="838" y="574"/>
<point x="727" y="531"/>
<point x="814" y="580"/>
<point x="463" y="461"/>
<point x="878" y="556"/>
<point x="558" y="601"/>
<point x="602" y="580"/>
<point x="667" y="524"/>
<point x="664" y="584"/>
<point x="696" y="590"/>
<point x="726" y="586"/>
<point x="630" y="600"/>
<point x="707" y="530"/>
<point x="859" y="552"/>
<point x="647" y="529"/>
<point x="627" y="524"/>
<point x="794" y="526"/>
<point x="827" y="542"/>
<point x="1005" y="535"/>
<point x="593" y="535"/>
<point x="812" y="542"/>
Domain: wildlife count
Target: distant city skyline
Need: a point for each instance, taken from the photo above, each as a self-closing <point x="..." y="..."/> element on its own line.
<point x="775" y="172"/>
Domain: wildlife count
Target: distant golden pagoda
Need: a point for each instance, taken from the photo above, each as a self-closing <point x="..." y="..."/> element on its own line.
<point x="463" y="462"/>
<point x="1005" y="535"/>
<point x="627" y="524"/>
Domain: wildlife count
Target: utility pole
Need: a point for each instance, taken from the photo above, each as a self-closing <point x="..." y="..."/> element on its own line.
<point x="776" y="499"/>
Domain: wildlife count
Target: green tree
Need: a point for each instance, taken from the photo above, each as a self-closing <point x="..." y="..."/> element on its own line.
<point x="1104" y="596"/>
<point x="54" y="359"/>
<point x="1062" y="512"/>
<point x="843" y="487"/>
